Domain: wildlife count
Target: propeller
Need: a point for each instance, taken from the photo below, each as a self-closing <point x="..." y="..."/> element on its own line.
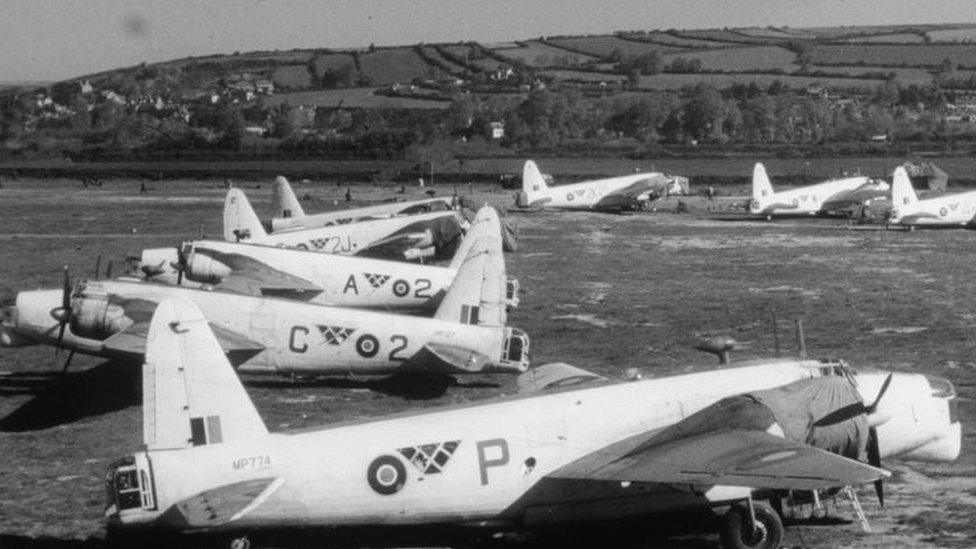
<point x="98" y="264"/>
<point x="63" y="313"/>
<point x="854" y="410"/>
<point x="179" y="264"/>
<point x="874" y="459"/>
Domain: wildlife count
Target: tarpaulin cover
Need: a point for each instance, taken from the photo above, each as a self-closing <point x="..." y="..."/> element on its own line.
<point x="799" y="405"/>
<point x="794" y="407"/>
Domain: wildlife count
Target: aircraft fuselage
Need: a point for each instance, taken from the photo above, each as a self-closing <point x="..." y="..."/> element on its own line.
<point x="483" y="464"/>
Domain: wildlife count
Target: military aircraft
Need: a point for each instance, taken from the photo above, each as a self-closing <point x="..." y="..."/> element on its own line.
<point x="837" y="195"/>
<point x="551" y="459"/>
<point x="467" y="334"/>
<point x="326" y="279"/>
<point x="951" y="210"/>
<point x="623" y="193"/>
<point x="405" y="238"/>
<point x="289" y="214"/>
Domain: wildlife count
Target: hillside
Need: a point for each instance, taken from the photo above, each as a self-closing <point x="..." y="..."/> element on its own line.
<point x="856" y="56"/>
<point x="629" y="91"/>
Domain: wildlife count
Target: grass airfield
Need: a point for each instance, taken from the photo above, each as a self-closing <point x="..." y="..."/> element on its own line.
<point x="602" y="292"/>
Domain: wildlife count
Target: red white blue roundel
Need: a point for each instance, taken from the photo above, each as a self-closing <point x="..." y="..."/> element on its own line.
<point x="386" y="475"/>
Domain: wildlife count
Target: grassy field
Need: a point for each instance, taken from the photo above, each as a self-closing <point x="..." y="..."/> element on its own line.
<point x="354" y="98"/>
<point x="602" y="292"/>
<point x="292" y="76"/>
<point x="668" y="39"/>
<point x="893" y="55"/>
<point x="953" y="35"/>
<point x="665" y="81"/>
<point x="538" y="54"/>
<point x="759" y="58"/>
<point x="728" y="36"/>
<point x="896" y="38"/>
<point x="332" y="61"/>
<point x="388" y="66"/>
<point x="906" y="76"/>
<point x="602" y="46"/>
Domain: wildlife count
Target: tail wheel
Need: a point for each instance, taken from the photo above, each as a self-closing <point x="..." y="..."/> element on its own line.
<point x="737" y="531"/>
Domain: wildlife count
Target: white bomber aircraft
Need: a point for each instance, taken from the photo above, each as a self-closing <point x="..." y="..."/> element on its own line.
<point x="951" y="210"/>
<point x="326" y="279"/>
<point x="289" y="214"/>
<point x="613" y="194"/>
<point x="467" y="334"/>
<point x="827" y="197"/>
<point x="405" y="237"/>
<point x="553" y="460"/>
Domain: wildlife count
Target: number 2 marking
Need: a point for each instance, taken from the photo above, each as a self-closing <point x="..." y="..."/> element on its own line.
<point x="401" y="342"/>
<point x="421" y="285"/>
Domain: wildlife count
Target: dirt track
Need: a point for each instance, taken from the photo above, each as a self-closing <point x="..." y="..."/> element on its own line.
<point x="602" y="292"/>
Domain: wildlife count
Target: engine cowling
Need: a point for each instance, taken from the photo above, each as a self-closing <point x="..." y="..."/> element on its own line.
<point x="205" y="269"/>
<point x="97" y="318"/>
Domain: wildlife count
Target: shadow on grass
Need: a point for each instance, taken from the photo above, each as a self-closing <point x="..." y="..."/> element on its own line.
<point x="27" y="542"/>
<point x="108" y="387"/>
<point x="408" y="386"/>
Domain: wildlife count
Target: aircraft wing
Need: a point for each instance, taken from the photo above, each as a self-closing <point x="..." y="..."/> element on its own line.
<point x="727" y="457"/>
<point x="395" y="246"/>
<point x="131" y="342"/>
<point x="221" y="505"/>
<point x="270" y="282"/>
<point x="445" y="359"/>
<point x="553" y="376"/>
<point x="250" y="276"/>
<point x="626" y="196"/>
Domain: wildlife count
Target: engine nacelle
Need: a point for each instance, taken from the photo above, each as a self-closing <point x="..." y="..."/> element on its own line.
<point x="205" y="269"/>
<point x="96" y="318"/>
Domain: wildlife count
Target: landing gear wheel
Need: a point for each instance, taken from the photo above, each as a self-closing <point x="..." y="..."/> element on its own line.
<point x="735" y="531"/>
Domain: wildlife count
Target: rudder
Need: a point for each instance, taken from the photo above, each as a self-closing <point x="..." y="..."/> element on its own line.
<point x="478" y="293"/>
<point x="533" y="184"/>
<point x="902" y="193"/>
<point x="762" y="188"/>
<point x="240" y="221"/>
<point x="285" y="201"/>
<point x="191" y="394"/>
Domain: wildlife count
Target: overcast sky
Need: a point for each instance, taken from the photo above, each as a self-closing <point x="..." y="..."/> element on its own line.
<point x="54" y="40"/>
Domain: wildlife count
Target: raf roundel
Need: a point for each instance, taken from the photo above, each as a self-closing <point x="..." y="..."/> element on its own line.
<point x="569" y="196"/>
<point x="401" y="288"/>
<point x="367" y="345"/>
<point x="386" y="475"/>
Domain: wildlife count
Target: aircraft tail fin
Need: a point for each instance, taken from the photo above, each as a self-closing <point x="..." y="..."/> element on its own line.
<point x="762" y="188"/>
<point x="191" y="394"/>
<point x="478" y="294"/>
<point x="902" y="193"/>
<point x="285" y="202"/>
<point x="533" y="184"/>
<point x="485" y="221"/>
<point x="240" y="220"/>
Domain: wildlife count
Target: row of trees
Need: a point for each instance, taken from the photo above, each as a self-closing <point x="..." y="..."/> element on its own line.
<point x="560" y="117"/>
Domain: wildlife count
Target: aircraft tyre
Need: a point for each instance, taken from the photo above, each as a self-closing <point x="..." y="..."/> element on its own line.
<point x="734" y="531"/>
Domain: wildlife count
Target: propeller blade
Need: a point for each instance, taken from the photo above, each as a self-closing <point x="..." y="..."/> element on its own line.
<point x="853" y="410"/>
<point x="98" y="265"/>
<point x="874" y="459"/>
<point x="108" y="269"/>
<point x="881" y="393"/>
<point x="841" y="414"/>
<point x="65" y="315"/>
<point x="66" y="289"/>
<point x="67" y="362"/>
